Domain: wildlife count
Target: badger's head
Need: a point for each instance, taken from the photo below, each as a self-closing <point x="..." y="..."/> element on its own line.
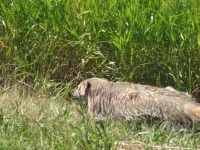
<point x="81" y="92"/>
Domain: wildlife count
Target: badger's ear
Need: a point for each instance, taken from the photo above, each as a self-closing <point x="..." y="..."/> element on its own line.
<point x="85" y="88"/>
<point x="88" y="86"/>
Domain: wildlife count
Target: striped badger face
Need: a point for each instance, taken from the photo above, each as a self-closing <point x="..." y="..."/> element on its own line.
<point x="81" y="92"/>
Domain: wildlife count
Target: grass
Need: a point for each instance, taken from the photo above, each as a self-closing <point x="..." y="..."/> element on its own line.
<point x="150" y="42"/>
<point x="35" y="121"/>
<point x="49" y="46"/>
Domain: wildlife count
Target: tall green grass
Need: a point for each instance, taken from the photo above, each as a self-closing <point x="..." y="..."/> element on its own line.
<point x="152" y="42"/>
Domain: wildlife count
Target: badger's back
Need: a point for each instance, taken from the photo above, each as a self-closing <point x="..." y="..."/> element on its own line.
<point x="129" y="100"/>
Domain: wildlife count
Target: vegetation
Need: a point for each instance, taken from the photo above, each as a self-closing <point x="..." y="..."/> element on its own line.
<point x="48" y="46"/>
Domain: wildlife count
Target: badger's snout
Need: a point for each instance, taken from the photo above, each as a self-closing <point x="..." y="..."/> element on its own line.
<point x="74" y="92"/>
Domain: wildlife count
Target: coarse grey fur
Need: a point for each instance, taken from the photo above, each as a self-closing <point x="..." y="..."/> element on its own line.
<point x="130" y="101"/>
